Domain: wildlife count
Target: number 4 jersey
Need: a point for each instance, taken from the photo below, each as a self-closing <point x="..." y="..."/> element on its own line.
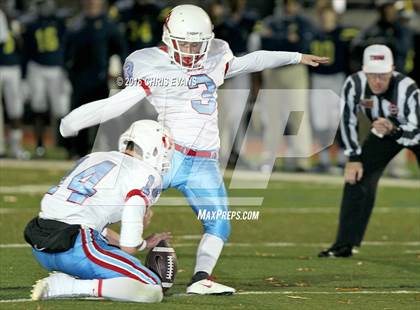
<point x="93" y="193"/>
<point x="186" y="101"/>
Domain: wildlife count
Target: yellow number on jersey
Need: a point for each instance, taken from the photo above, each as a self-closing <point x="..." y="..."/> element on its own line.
<point x="409" y="61"/>
<point x="324" y="49"/>
<point x="9" y="45"/>
<point x="142" y="32"/>
<point x="47" y="39"/>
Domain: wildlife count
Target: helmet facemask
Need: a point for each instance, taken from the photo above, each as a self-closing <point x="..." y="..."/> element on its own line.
<point x="190" y="52"/>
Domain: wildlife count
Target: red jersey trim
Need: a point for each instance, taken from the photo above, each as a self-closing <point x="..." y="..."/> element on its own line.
<point x="145" y="87"/>
<point x="226" y="67"/>
<point x="137" y="192"/>
<point x="163" y="48"/>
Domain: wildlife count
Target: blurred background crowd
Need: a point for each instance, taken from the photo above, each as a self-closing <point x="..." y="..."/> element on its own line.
<point x="56" y="55"/>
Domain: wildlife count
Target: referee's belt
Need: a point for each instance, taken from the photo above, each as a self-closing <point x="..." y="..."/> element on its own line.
<point x="195" y="153"/>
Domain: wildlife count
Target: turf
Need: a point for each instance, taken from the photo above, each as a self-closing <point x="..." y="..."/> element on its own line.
<point x="271" y="261"/>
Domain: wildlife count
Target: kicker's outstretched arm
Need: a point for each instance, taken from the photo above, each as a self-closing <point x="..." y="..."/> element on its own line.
<point x="260" y="60"/>
<point x="99" y="111"/>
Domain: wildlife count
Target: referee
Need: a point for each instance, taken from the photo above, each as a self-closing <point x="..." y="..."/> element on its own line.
<point x="391" y="102"/>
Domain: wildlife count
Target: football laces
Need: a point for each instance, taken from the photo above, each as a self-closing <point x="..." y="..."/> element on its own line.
<point x="170" y="270"/>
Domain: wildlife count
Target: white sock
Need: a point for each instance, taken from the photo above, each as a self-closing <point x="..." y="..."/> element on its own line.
<point x="85" y="287"/>
<point x="63" y="285"/>
<point x="341" y="159"/>
<point x="324" y="157"/>
<point x="208" y="253"/>
<point x="15" y="138"/>
<point x="126" y="289"/>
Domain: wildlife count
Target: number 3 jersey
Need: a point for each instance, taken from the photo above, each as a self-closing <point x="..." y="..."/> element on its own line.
<point x="93" y="193"/>
<point x="186" y="101"/>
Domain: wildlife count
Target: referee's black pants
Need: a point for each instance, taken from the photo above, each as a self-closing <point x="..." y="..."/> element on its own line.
<point x="358" y="199"/>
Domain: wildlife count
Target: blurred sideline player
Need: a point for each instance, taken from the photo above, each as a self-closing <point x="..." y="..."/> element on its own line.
<point x="390" y="100"/>
<point x="44" y="41"/>
<point x="4" y="35"/>
<point x="70" y="236"/>
<point x="233" y="24"/>
<point x="331" y="40"/>
<point x="195" y="64"/>
<point x="290" y="31"/>
<point x="93" y="39"/>
<point x="11" y="78"/>
<point x="141" y="22"/>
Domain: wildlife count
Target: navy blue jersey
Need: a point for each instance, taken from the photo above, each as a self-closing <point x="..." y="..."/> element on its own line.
<point x="236" y="32"/>
<point x="335" y="45"/>
<point x="415" y="65"/>
<point x="142" y="24"/>
<point x="91" y="42"/>
<point x="9" y="51"/>
<point x="44" y="40"/>
<point x="283" y="28"/>
<point x="396" y="36"/>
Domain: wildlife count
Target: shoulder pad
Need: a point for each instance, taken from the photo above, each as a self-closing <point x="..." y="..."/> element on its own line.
<point x="220" y="47"/>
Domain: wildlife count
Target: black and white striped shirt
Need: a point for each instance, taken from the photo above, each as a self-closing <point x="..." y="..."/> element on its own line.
<point x="400" y="104"/>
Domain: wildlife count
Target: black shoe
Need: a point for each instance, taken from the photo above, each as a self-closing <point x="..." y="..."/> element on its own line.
<point x="342" y="251"/>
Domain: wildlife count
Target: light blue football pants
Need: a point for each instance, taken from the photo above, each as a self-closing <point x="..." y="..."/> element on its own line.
<point x="200" y="181"/>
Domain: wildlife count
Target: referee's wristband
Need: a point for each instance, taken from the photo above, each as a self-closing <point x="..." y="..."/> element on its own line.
<point x="353" y="158"/>
<point x="396" y="133"/>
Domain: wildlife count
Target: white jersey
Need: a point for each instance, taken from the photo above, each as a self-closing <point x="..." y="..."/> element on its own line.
<point x="94" y="192"/>
<point x="186" y="101"/>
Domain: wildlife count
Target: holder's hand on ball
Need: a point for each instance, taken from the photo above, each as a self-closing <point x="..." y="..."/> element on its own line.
<point x="154" y="239"/>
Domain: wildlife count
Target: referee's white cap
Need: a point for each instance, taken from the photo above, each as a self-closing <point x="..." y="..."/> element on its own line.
<point x="377" y="58"/>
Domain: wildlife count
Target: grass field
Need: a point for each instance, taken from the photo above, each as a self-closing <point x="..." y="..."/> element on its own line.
<point x="271" y="261"/>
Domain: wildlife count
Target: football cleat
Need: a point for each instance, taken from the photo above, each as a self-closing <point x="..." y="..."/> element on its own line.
<point x="209" y="287"/>
<point x="342" y="251"/>
<point x="49" y="287"/>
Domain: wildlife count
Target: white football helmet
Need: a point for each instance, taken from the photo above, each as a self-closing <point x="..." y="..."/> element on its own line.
<point x="153" y="142"/>
<point x="188" y="24"/>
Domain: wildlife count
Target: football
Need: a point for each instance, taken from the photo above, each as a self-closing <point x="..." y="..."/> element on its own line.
<point x="162" y="261"/>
